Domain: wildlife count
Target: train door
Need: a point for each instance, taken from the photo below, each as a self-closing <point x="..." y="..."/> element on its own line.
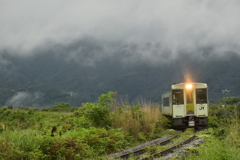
<point x="178" y="103"/>
<point x="202" y="102"/>
<point x="189" y="101"/>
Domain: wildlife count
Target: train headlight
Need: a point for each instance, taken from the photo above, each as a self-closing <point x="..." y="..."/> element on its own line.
<point x="189" y="86"/>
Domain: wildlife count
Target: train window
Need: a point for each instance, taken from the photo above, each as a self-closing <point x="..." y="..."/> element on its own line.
<point x="201" y="96"/>
<point x="178" y="96"/>
<point x="166" y="102"/>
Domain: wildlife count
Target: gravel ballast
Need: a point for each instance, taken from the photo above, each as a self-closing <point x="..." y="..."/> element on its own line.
<point x="156" y="141"/>
<point x="183" y="150"/>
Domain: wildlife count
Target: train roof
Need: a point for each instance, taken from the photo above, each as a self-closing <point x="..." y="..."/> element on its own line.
<point x="194" y="84"/>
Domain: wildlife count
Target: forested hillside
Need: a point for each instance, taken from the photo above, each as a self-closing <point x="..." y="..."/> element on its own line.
<point x="47" y="77"/>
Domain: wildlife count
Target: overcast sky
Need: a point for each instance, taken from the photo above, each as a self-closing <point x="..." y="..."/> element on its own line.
<point x="164" y="26"/>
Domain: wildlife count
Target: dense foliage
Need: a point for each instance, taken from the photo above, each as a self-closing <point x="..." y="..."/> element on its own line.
<point x="87" y="132"/>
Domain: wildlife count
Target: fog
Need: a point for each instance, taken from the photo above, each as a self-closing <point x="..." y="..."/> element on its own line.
<point x="22" y="99"/>
<point x="139" y="30"/>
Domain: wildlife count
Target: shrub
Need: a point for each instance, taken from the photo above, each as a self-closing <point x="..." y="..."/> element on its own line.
<point x="24" y="108"/>
<point x="101" y="140"/>
<point x="61" y="107"/>
<point x="46" y="109"/>
<point x="10" y="106"/>
<point x="106" y="99"/>
<point x="97" y="115"/>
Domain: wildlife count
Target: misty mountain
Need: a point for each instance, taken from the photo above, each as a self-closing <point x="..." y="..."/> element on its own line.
<point x="58" y="74"/>
<point x="74" y="52"/>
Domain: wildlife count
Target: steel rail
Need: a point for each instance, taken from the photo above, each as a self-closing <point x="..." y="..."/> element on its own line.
<point x="142" y="150"/>
<point x="169" y="150"/>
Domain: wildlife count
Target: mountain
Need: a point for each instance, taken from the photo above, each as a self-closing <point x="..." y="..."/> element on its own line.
<point x="48" y="76"/>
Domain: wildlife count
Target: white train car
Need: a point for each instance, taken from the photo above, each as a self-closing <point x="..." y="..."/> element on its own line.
<point x="186" y="104"/>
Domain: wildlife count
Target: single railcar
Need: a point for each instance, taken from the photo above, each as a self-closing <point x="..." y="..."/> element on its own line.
<point x="186" y="104"/>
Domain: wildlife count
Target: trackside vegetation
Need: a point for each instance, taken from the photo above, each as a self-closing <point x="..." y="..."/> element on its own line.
<point x="94" y="130"/>
<point x="87" y="132"/>
<point x="222" y="137"/>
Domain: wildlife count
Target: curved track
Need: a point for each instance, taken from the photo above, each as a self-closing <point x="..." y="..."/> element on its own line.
<point x="169" y="150"/>
<point x="142" y="150"/>
<point x="143" y="154"/>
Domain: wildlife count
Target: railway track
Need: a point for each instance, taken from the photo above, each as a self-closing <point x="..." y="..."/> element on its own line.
<point x="143" y="150"/>
<point x="143" y="153"/>
<point x="169" y="150"/>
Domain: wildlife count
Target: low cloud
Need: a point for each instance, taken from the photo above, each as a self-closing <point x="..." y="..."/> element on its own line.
<point x="3" y="64"/>
<point x="140" y="30"/>
<point x="25" y="99"/>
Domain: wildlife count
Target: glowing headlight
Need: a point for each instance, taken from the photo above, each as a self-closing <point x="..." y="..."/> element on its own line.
<point x="189" y="86"/>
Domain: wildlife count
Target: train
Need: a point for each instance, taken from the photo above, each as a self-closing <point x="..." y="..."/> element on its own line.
<point x="186" y="105"/>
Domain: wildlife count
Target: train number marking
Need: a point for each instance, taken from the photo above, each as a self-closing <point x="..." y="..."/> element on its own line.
<point x="201" y="108"/>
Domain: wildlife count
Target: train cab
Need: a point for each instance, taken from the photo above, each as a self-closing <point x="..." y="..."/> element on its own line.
<point x="186" y="104"/>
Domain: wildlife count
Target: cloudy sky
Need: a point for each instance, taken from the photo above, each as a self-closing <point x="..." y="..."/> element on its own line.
<point x="156" y="27"/>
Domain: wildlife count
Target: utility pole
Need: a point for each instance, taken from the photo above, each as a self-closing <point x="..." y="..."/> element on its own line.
<point x="225" y="92"/>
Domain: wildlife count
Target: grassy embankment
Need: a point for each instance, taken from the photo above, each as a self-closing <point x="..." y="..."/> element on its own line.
<point x="222" y="137"/>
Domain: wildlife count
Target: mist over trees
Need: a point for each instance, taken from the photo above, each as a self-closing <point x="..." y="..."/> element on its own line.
<point x="58" y="74"/>
<point x="74" y="52"/>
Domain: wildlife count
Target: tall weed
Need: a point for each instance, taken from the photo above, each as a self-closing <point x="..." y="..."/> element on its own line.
<point x="138" y="121"/>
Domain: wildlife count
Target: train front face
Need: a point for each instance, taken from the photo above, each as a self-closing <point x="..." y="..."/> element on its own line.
<point x="189" y="105"/>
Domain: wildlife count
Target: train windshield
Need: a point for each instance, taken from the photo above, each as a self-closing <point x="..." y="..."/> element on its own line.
<point x="178" y="96"/>
<point x="201" y="96"/>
